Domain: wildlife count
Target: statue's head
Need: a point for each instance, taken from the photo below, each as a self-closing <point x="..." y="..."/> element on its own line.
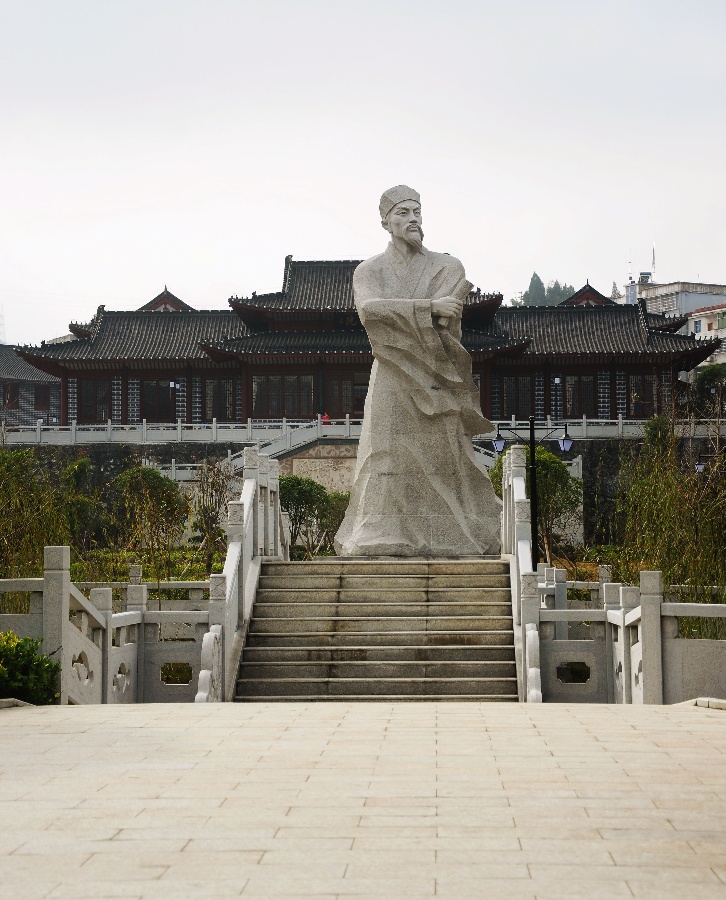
<point x="400" y="209"/>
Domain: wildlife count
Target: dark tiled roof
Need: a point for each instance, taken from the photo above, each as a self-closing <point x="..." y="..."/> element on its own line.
<point x="612" y="330"/>
<point x="588" y="296"/>
<point x="492" y="341"/>
<point x="13" y="368"/>
<point x="352" y="340"/>
<point x="87" y="329"/>
<point x="166" y="298"/>
<point x="665" y="323"/>
<point x="158" y="304"/>
<point x="311" y="285"/>
<point x="144" y="336"/>
<point x="320" y="285"/>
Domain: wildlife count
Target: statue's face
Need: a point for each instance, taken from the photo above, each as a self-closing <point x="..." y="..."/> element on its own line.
<point x="404" y="221"/>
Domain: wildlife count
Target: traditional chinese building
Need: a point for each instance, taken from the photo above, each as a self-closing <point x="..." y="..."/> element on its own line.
<point x="26" y="394"/>
<point x="302" y="351"/>
<point x="147" y="364"/>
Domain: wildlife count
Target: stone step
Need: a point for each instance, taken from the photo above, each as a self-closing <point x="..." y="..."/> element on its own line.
<point x="377" y="669"/>
<point x="338" y="624"/>
<point x="380" y="582"/>
<point x="333" y="565"/>
<point x="297" y="610"/>
<point x="374" y="595"/>
<point x="399" y="653"/>
<point x="380" y="629"/>
<point x="430" y="638"/>
<point x="388" y="698"/>
<point x="402" y="687"/>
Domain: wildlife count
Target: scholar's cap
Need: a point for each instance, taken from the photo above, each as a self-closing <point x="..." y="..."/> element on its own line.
<point x="395" y="195"/>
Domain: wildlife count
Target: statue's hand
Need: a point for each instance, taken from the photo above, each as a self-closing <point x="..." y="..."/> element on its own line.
<point x="447" y="307"/>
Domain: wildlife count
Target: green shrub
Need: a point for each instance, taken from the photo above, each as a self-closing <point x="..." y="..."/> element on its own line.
<point x="559" y="496"/>
<point x="25" y="673"/>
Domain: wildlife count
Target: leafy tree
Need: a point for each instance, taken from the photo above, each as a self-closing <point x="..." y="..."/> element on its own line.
<point x="535" y="295"/>
<point x="25" y="673"/>
<point x="559" y="496"/>
<point x="616" y="295"/>
<point x="31" y="514"/>
<point x="319" y="536"/>
<point x="209" y="500"/>
<point x="710" y="390"/>
<point x="150" y="513"/>
<point x="84" y="510"/>
<point x="672" y="516"/>
<point x="557" y="292"/>
<point x="304" y="501"/>
<point x="538" y="295"/>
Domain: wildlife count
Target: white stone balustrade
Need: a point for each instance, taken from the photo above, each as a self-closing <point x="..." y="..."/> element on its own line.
<point x="127" y="656"/>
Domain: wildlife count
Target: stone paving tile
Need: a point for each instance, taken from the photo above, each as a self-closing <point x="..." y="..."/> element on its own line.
<point x="49" y="843"/>
<point x="41" y="887"/>
<point x="159" y="890"/>
<point x="651" y="891"/>
<point x="380" y="800"/>
<point x="665" y="875"/>
<point x="461" y="885"/>
<point x="272" y="884"/>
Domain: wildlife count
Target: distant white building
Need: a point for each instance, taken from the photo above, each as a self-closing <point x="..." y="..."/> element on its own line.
<point x="679" y="298"/>
<point x="710" y="322"/>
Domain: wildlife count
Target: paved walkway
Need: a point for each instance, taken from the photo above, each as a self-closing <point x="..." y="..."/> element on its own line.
<point x="362" y="800"/>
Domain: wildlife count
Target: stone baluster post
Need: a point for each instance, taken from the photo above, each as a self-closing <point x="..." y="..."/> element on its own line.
<point x="102" y="599"/>
<point x="235" y="533"/>
<point x="56" y="609"/>
<point x="264" y="500"/>
<point x="275" y="548"/>
<point x="611" y="601"/>
<point x="651" y="598"/>
<point x="220" y="615"/>
<point x="251" y="470"/>
<point x="506" y="502"/>
<point x="522" y="507"/>
<point x="629" y="599"/>
<point x="604" y="576"/>
<point x="217" y="599"/>
<point x="546" y="576"/>
<point x="560" y="581"/>
<point x="137" y="599"/>
<point x="529" y="593"/>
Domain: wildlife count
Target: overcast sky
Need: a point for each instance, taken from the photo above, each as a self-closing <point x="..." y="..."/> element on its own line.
<point x="195" y="143"/>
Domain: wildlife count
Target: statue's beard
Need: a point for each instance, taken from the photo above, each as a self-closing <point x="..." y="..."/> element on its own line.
<point x="414" y="237"/>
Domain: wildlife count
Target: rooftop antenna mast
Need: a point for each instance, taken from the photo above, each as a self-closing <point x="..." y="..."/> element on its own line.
<point x="652" y="266"/>
<point x="630" y="266"/>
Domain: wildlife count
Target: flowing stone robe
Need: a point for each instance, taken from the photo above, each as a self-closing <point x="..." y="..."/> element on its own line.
<point x="419" y="490"/>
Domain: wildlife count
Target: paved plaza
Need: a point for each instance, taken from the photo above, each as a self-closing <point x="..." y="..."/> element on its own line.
<point x="362" y="800"/>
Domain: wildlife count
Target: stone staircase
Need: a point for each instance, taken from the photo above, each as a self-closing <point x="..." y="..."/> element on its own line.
<point x="355" y="629"/>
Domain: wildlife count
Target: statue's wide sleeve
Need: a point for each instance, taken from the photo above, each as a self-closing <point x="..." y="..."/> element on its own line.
<point x="430" y="363"/>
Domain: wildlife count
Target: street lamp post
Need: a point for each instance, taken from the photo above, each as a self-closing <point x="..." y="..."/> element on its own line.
<point x="565" y="443"/>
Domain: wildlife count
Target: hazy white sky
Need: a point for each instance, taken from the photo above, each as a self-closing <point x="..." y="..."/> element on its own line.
<point x="195" y="143"/>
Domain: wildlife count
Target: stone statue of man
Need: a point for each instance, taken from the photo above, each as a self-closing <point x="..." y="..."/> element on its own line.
<point x="419" y="490"/>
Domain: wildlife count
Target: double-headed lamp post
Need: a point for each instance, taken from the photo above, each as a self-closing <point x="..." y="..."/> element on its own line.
<point x="565" y="443"/>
